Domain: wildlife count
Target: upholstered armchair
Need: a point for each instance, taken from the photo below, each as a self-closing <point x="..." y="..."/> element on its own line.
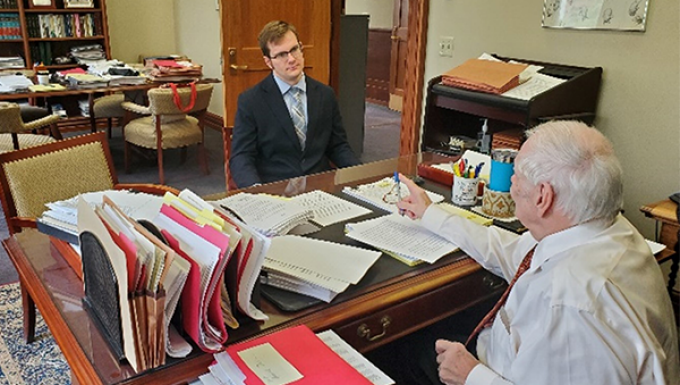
<point x="16" y="134"/>
<point x="168" y="126"/>
<point x="109" y="107"/>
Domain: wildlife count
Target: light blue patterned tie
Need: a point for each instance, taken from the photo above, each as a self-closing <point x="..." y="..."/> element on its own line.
<point x="297" y="114"/>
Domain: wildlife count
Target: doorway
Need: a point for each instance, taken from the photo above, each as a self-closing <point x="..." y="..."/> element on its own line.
<point x="386" y="38"/>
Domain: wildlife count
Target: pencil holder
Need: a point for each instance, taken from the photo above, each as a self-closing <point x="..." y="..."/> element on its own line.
<point x="502" y="169"/>
<point x="464" y="191"/>
<point x="498" y="204"/>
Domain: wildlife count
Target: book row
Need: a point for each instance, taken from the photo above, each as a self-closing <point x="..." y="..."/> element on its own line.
<point x="63" y="25"/>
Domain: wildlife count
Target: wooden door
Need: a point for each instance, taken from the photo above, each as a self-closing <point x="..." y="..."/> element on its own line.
<point x="242" y="20"/>
<point x="398" y="53"/>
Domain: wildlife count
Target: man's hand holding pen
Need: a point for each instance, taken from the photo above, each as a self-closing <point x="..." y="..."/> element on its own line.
<point x="417" y="202"/>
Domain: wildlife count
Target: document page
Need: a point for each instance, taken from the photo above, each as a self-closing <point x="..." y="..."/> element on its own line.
<point x="354" y="358"/>
<point x="537" y="84"/>
<point x="402" y="236"/>
<point x="329" y="209"/>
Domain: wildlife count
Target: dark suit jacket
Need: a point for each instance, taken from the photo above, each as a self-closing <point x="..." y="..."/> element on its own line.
<point x="265" y="147"/>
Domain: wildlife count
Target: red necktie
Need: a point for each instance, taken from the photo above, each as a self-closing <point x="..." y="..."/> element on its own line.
<point x="491" y="315"/>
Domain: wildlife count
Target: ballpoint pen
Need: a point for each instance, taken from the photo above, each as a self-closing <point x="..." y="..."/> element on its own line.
<point x="396" y="180"/>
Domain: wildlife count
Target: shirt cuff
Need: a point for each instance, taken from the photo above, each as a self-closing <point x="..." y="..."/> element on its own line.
<point x="480" y="375"/>
<point x="433" y="218"/>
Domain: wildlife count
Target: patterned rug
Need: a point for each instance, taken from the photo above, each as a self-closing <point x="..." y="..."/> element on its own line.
<point x="40" y="362"/>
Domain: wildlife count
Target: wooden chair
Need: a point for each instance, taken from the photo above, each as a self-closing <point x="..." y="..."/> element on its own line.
<point x="32" y="177"/>
<point x="227" y="133"/>
<point x="168" y="126"/>
<point x="16" y="134"/>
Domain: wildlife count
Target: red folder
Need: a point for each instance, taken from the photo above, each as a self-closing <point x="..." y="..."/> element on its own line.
<point x="307" y="353"/>
<point x="212" y="305"/>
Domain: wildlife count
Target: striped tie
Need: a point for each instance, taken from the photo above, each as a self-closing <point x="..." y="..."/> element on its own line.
<point x="297" y="114"/>
<point x="491" y="315"/>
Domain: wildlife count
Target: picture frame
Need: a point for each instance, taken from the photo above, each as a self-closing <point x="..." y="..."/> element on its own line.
<point x="78" y="3"/>
<point x="622" y="15"/>
<point x="42" y="4"/>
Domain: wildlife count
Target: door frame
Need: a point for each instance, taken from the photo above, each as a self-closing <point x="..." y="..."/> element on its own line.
<point x="414" y="82"/>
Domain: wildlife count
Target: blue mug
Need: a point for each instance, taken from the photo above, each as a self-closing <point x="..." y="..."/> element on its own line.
<point x="499" y="178"/>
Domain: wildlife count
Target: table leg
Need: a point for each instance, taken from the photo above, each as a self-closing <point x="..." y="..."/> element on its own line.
<point x="29" y="314"/>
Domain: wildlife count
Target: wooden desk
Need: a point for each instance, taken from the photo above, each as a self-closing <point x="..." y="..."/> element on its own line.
<point x="664" y="212"/>
<point x="412" y="298"/>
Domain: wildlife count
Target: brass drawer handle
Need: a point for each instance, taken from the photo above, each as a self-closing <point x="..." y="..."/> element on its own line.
<point x="236" y="67"/>
<point x="365" y="332"/>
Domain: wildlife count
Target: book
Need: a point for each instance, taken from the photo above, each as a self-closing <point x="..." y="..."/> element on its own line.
<point x="484" y="76"/>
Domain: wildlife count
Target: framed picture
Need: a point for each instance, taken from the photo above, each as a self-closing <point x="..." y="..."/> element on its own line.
<point x="44" y="4"/>
<point x="624" y="15"/>
<point x="78" y="3"/>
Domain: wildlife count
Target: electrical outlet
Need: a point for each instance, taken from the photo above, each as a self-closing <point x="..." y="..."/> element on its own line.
<point x="446" y="46"/>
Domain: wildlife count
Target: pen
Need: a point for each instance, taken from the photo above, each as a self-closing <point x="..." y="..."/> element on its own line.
<point x="396" y="180"/>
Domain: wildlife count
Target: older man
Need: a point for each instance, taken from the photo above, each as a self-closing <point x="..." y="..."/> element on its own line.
<point x="586" y="302"/>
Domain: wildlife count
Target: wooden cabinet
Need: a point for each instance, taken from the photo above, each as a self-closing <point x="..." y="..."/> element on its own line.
<point x="41" y="34"/>
<point x="453" y="111"/>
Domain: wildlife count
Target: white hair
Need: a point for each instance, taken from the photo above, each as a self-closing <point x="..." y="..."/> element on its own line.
<point x="580" y="165"/>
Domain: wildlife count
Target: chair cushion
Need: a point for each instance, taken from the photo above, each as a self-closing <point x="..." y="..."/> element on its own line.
<point x="181" y="133"/>
<point x="29" y="113"/>
<point x="109" y="106"/>
<point x="25" y="141"/>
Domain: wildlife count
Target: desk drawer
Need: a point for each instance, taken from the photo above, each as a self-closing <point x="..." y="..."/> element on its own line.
<point x="388" y="324"/>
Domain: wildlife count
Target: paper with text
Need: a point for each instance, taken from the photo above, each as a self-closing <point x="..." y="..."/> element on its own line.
<point x="385" y="194"/>
<point x="401" y="235"/>
<point x="354" y="358"/>
<point x="269" y="365"/>
<point x="329" y="209"/>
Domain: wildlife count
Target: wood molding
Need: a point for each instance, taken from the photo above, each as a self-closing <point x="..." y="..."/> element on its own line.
<point x="414" y="80"/>
<point x="214" y="121"/>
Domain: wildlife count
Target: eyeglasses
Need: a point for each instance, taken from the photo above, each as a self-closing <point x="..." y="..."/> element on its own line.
<point x="393" y="195"/>
<point x="295" y="52"/>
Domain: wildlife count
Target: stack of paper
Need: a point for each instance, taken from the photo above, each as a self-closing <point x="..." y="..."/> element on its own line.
<point x="329" y="209"/>
<point x="314" y="267"/>
<point x="401" y="237"/>
<point x="279" y="359"/>
<point x="385" y="194"/>
<point x="61" y="218"/>
<point x="13" y="83"/>
<point x="267" y="214"/>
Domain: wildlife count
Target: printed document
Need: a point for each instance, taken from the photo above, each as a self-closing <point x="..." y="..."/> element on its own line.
<point x="329" y="209"/>
<point x="401" y="235"/>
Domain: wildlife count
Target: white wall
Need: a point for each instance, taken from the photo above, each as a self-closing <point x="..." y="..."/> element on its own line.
<point x="140" y="28"/>
<point x="380" y="11"/>
<point x="640" y="96"/>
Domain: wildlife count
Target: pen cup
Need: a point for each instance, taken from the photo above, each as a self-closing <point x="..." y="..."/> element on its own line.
<point x="464" y="191"/>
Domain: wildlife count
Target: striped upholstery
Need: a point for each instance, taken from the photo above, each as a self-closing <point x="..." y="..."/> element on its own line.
<point x="40" y="179"/>
<point x="25" y="141"/>
<point x="109" y="106"/>
<point x="180" y="133"/>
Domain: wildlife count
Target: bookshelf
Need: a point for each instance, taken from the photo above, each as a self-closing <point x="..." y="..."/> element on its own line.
<point x="42" y="34"/>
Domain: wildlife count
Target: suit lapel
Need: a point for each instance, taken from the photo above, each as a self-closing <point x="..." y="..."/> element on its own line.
<point x="273" y="97"/>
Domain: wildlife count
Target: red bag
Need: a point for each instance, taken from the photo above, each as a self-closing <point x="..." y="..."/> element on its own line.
<point x="178" y="100"/>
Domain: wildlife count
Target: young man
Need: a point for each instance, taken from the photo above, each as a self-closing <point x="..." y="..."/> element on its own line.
<point x="590" y="306"/>
<point x="288" y="125"/>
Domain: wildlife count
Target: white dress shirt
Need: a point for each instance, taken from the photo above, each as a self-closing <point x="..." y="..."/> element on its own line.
<point x="591" y="309"/>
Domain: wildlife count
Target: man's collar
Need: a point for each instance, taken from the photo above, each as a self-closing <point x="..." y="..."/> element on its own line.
<point x="556" y="243"/>
<point x="284" y="87"/>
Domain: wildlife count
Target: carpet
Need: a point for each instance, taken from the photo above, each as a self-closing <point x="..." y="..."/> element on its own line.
<point x="40" y="362"/>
